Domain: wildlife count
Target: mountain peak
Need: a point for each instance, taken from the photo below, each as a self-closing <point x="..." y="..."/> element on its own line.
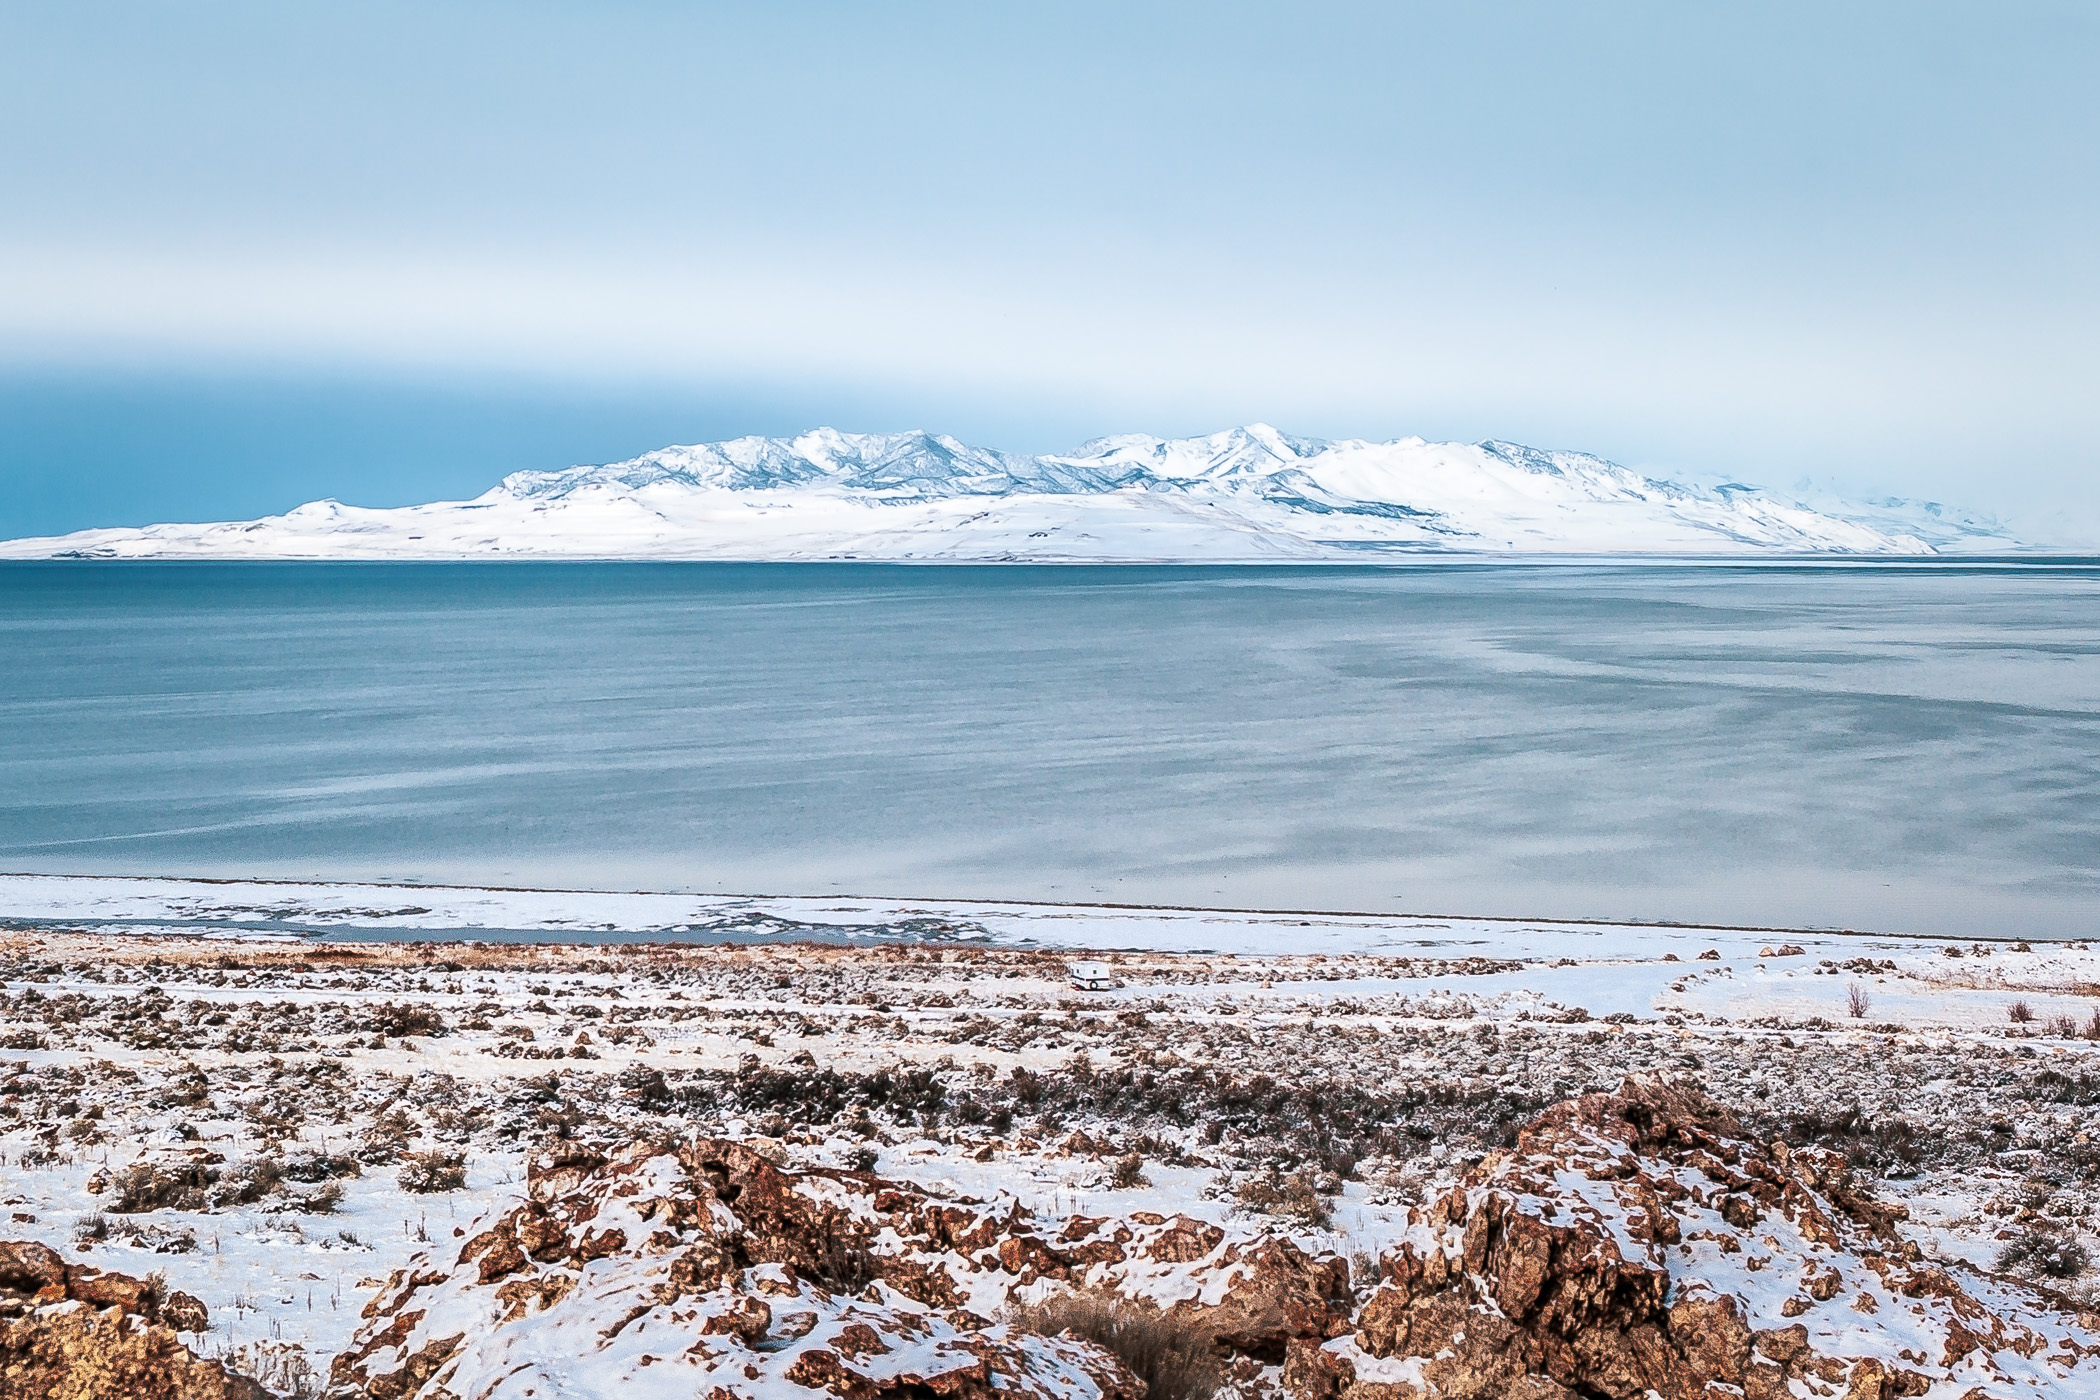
<point x="1246" y="493"/>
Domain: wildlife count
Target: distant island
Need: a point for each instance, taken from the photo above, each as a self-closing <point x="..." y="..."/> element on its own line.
<point x="1247" y="495"/>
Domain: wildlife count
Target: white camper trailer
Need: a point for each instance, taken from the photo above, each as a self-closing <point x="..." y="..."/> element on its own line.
<point x="1092" y="977"/>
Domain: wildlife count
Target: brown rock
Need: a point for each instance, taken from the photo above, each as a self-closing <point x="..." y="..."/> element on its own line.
<point x="1537" y="1388"/>
<point x="498" y="1251"/>
<point x="820" y="1369"/>
<point x="1311" y="1372"/>
<point x="27" y="1267"/>
<point x="1870" y="1380"/>
<point x="1785" y="1345"/>
<point x="1184" y="1241"/>
<point x="101" y="1336"/>
<point x="1520" y="1281"/>
<point x="1284" y="1293"/>
<point x="1020" y="1253"/>
<point x="1382" y="1390"/>
<point x="748" y="1318"/>
<point x="1765" y="1381"/>
<point x="102" y="1290"/>
<point x="185" y="1313"/>
<point x="1713" y="1336"/>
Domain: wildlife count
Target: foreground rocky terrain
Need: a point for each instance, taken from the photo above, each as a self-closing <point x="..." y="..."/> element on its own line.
<point x="445" y="1169"/>
<point x="72" y="1330"/>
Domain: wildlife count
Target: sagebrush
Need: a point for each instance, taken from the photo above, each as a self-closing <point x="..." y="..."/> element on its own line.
<point x="1175" y="1356"/>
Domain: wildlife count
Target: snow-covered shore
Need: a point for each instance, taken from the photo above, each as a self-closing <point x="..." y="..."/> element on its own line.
<point x="1640" y="969"/>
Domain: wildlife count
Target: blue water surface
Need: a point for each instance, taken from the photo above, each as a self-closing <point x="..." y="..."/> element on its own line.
<point x="1876" y="746"/>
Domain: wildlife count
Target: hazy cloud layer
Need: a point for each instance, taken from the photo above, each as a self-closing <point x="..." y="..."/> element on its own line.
<point x="1787" y="242"/>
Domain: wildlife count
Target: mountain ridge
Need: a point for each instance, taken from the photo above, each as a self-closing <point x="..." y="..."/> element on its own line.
<point x="1244" y="494"/>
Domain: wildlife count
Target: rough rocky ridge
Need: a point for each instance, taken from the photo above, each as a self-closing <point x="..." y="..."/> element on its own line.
<point x="731" y="1277"/>
<point x="1630" y="1244"/>
<point x="711" y="1261"/>
<point x="74" y="1332"/>
<point x="1638" y="1243"/>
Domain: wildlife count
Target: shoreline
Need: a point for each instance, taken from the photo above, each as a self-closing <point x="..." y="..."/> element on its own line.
<point x="326" y="914"/>
<point x="2073" y="560"/>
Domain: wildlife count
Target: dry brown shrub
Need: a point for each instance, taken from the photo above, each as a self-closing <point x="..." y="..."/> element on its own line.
<point x="2040" y="1252"/>
<point x="148" y="1186"/>
<point x="402" y="1019"/>
<point x="1295" y="1197"/>
<point x="1174" y="1355"/>
<point x="435" y="1170"/>
<point x="1129" y="1172"/>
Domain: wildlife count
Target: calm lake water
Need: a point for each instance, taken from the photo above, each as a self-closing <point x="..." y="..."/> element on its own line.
<point x="1898" y="747"/>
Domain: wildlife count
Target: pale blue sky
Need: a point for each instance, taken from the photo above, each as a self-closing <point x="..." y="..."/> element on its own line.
<point x="257" y="253"/>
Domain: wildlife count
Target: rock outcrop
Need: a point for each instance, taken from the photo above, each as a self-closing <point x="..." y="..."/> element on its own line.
<point x="72" y="1332"/>
<point x="1630" y="1244"/>
<point x="710" y="1270"/>
<point x="1636" y="1243"/>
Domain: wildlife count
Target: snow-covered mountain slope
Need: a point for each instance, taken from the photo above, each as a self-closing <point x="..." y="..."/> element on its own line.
<point x="1247" y="494"/>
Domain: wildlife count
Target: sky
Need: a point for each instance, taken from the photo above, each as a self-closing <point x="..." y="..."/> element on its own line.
<point x="253" y="254"/>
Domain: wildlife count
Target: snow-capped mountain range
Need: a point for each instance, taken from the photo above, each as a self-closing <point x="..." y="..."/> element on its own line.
<point x="1248" y="494"/>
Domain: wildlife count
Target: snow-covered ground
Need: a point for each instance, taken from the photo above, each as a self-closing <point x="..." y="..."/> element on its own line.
<point x="1247" y="495"/>
<point x="185" y="1027"/>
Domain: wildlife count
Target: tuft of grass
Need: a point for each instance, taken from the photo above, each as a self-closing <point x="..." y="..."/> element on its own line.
<point x="310" y="1167"/>
<point x="280" y="1368"/>
<point x="249" y="1181"/>
<point x="2020" y="1013"/>
<point x="435" y="1170"/>
<point x="143" y="1187"/>
<point x="1297" y="1197"/>
<point x="321" y="1202"/>
<point x="1175" y="1356"/>
<point x="397" y="1020"/>
<point x="1884" y="1143"/>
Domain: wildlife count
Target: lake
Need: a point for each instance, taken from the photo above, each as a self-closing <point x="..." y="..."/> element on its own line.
<point x="1900" y="747"/>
